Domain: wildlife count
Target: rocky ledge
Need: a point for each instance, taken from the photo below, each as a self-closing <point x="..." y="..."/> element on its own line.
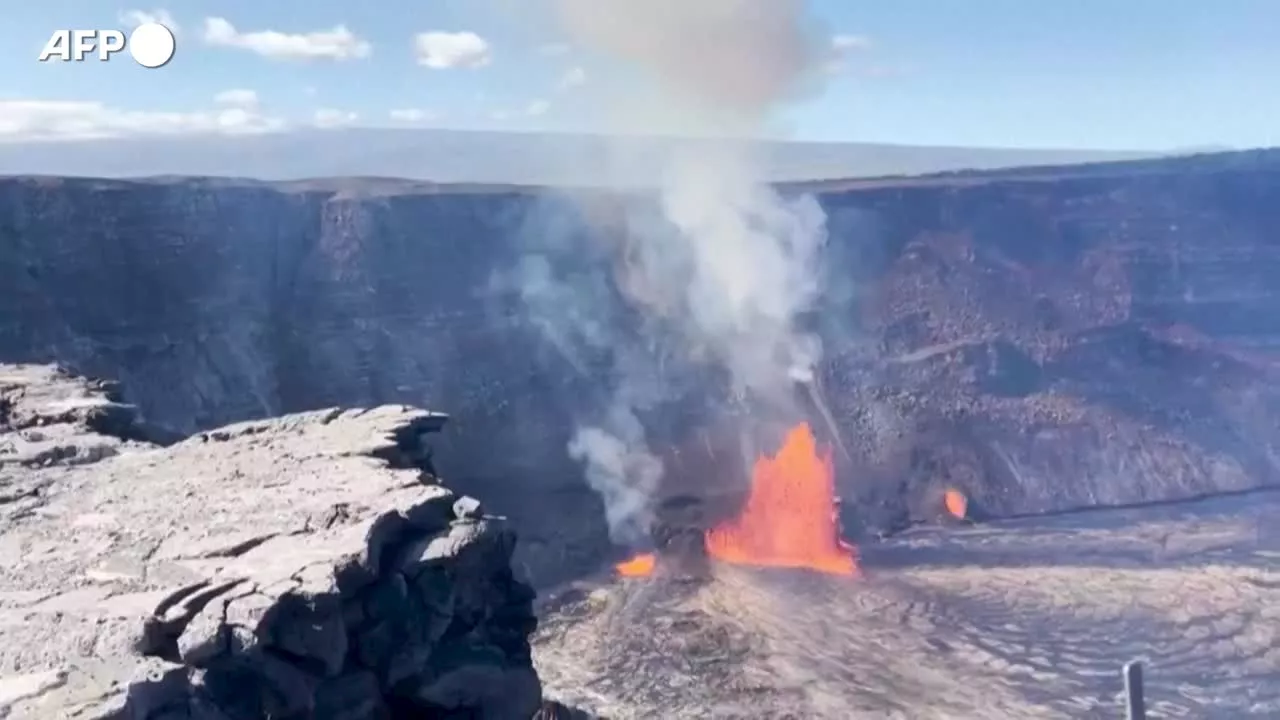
<point x="307" y="566"/>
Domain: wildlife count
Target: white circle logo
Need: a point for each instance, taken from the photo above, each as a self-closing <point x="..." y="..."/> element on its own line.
<point x="152" y="45"/>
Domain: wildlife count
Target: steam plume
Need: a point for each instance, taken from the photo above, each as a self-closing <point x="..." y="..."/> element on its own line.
<point x="722" y="275"/>
<point x="740" y="56"/>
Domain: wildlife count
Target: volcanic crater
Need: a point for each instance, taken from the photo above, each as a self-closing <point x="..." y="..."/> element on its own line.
<point x="1055" y="389"/>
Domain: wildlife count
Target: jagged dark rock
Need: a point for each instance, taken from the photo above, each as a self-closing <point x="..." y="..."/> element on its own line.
<point x="678" y="531"/>
<point x="299" y="567"/>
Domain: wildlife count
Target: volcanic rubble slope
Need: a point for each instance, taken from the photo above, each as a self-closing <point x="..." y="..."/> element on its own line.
<point x="1024" y="618"/>
<point x="265" y="569"/>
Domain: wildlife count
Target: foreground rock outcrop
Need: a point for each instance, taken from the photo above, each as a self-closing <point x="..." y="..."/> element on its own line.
<point x="307" y="566"/>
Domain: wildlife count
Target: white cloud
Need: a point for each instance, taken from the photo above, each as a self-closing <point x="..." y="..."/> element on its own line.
<point x="338" y="43"/>
<point x="842" y="46"/>
<point x="572" y="78"/>
<point x="237" y="97"/>
<point x="133" y="18"/>
<point x="554" y="49"/>
<point x="27" y="120"/>
<point x="440" y="50"/>
<point x="850" y="43"/>
<point x="537" y="108"/>
<point x="499" y="115"/>
<point x="241" y="120"/>
<point x="330" y="118"/>
<point x="412" y="115"/>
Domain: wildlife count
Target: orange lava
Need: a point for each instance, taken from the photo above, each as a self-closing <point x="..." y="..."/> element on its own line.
<point x="956" y="503"/>
<point x="638" y="566"/>
<point x="789" y="519"/>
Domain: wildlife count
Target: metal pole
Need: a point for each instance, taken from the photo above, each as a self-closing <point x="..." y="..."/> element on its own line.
<point x="1135" y="702"/>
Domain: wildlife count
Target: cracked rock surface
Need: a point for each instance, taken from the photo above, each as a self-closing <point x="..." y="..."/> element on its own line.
<point x="304" y="566"/>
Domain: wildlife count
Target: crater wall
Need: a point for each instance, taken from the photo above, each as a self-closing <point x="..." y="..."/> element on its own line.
<point x="1041" y="339"/>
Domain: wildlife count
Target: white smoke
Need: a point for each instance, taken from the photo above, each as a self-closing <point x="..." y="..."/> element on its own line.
<point x="732" y="264"/>
<point x="622" y="471"/>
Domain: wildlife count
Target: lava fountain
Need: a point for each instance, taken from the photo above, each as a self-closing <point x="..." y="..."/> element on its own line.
<point x="789" y="519"/>
<point x="639" y="566"/>
<point x="956" y="503"/>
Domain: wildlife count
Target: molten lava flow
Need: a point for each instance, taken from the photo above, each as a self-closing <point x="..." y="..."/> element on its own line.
<point x="956" y="503"/>
<point x="790" y="516"/>
<point x="638" y="566"/>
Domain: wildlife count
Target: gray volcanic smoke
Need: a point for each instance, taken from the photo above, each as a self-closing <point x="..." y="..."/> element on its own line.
<point x="739" y="56"/>
<point x="720" y="274"/>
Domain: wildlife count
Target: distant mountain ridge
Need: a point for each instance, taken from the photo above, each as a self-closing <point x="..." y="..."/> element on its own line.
<point x="500" y="158"/>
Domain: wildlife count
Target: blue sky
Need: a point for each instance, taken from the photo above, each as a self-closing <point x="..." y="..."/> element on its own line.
<point x="1123" y="74"/>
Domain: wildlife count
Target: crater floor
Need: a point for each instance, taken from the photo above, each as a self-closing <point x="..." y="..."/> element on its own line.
<point x="1028" y="618"/>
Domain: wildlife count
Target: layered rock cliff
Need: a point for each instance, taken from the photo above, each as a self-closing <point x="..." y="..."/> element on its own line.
<point x="305" y="566"/>
<point x="1040" y="339"/>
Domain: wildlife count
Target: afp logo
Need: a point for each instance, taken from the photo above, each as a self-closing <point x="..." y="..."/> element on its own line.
<point x="150" y="44"/>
